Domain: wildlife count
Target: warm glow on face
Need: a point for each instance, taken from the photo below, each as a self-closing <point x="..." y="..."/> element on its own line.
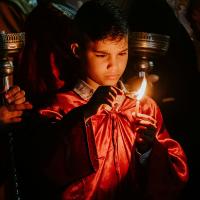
<point x="104" y="61"/>
<point x="141" y="91"/>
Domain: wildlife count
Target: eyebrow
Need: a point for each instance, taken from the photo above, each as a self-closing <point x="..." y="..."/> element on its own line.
<point x="124" y="50"/>
<point x="104" y="52"/>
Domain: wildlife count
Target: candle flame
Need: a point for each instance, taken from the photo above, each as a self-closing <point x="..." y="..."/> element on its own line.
<point x="141" y="91"/>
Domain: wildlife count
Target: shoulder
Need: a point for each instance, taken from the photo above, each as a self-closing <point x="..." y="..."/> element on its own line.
<point x="69" y="97"/>
<point x="61" y="104"/>
<point x="65" y="101"/>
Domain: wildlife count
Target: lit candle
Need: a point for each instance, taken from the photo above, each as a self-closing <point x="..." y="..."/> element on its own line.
<point x="139" y="94"/>
<point x="137" y="107"/>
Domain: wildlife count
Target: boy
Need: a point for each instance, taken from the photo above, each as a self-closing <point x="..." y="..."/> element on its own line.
<point x="102" y="150"/>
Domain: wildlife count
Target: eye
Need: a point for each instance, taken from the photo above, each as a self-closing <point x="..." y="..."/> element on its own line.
<point x="100" y="55"/>
<point x="123" y="53"/>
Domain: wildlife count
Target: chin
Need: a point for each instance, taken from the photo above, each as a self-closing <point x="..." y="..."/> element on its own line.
<point x="110" y="82"/>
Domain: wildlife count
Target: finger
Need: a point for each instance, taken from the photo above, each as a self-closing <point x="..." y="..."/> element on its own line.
<point x="19" y="107"/>
<point x="145" y="117"/>
<point x="12" y="91"/>
<point x="27" y="103"/>
<point x="12" y="114"/>
<point x="147" y="123"/>
<point x="17" y="98"/>
<point x="15" y="120"/>
<point x="103" y="93"/>
<point x="111" y="97"/>
<point x="27" y="106"/>
<point x="19" y="95"/>
<point x="19" y="101"/>
<point x="103" y="89"/>
<point x="117" y="90"/>
<point x="113" y="91"/>
<point x="109" y="102"/>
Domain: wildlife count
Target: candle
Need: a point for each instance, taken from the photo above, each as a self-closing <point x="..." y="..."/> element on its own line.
<point x="140" y="94"/>
<point x="137" y="107"/>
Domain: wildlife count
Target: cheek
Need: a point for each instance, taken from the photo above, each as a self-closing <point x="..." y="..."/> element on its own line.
<point x="125" y="60"/>
<point x="123" y="63"/>
<point x="94" y="68"/>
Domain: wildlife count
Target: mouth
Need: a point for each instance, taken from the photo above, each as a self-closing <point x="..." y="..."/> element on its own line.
<point x="112" y="77"/>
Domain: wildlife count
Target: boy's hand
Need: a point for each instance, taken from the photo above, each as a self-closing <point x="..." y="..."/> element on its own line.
<point x="146" y="131"/>
<point x="15" y="95"/>
<point x="13" y="110"/>
<point x="12" y="113"/>
<point x="103" y="95"/>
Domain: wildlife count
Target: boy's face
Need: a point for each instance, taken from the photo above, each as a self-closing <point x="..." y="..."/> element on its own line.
<point x="104" y="61"/>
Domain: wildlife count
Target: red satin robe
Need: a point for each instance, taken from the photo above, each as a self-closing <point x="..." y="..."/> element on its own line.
<point x="98" y="160"/>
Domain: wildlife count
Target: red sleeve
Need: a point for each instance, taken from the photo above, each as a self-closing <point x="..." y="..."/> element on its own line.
<point x="167" y="170"/>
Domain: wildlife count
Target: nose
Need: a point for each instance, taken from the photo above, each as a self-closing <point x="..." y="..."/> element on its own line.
<point x="112" y="62"/>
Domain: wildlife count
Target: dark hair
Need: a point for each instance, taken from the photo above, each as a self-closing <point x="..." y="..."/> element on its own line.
<point x="97" y="20"/>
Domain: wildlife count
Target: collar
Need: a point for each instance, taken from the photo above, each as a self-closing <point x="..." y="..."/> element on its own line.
<point x="83" y="90"/>
<point x="86" y="92"/>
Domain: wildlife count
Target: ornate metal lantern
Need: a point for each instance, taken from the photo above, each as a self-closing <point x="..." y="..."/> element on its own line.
<point x="10" y="45"/>
<point x="144" y="47"/>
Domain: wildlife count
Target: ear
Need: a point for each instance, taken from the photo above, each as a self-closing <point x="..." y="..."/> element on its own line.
<point x="75" y="50"/>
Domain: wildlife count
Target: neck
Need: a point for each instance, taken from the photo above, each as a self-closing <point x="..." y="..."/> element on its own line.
<point x="92" y="84"/>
